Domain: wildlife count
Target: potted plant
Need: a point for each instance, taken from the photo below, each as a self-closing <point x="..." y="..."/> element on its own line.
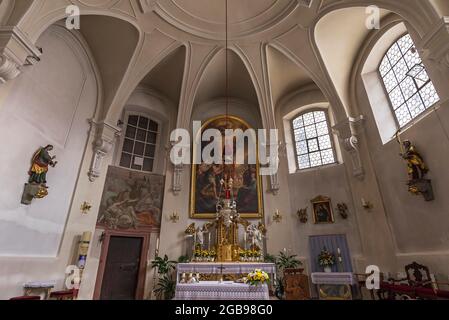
<point x="166" y="288"/>
<point x="166" y="285"/>
<point x="326" y="260"/>
<point x="283" y="261"/>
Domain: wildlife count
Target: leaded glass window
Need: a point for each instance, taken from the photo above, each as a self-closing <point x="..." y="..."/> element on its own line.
<point x="406" y="81"/>
<point x="314" y="145"/>
<point x="139" y="143"/>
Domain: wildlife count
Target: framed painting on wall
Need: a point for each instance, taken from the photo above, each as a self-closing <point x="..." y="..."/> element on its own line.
<point x="205" y="183"/>
<point x="131" y="200"/>
<point x="322" y="210"/>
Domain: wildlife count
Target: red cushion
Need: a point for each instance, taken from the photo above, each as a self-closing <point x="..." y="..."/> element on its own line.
<point x="64" y="294"/>
<point x="26" y="298"/>
<point x="443" y="294"/>
<point x="426" y="292"/>
<point x="402" y="288"/>
<point x="386" y="286"/>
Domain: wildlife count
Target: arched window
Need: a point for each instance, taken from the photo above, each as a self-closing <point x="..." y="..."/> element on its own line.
<point x="314" y="146"/>
<point x="139" y="144"/>
<point x="406" y="81"/>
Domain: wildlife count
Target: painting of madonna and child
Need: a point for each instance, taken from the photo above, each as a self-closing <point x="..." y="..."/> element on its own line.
<point x="206" y="186"/>
<point x="131" y="200"/>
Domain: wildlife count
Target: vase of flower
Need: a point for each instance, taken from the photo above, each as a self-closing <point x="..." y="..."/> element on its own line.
<point x="257" y="277"/>
<point x="326" y="260"/>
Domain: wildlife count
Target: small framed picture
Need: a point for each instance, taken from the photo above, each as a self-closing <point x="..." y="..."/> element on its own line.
<point x="322" y="210"/>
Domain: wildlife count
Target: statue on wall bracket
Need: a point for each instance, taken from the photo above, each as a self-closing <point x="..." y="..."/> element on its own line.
<point x="37" y="188"/>
<point x="417" y="171"/>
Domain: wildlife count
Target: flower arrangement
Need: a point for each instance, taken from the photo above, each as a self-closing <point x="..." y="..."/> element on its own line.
<point x="257" y="277"/>
<point x="204" y="255"/>
<point x="250" y="255"/>
<point x="326" y="259"/>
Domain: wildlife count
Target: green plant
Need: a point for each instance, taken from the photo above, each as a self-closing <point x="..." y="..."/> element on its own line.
<point x="163" y="265"/>
<point x="166" y="288"/>
<point x="183" y="259"/>
<point x="285" y="261"/>
<point x="269" y="258"/>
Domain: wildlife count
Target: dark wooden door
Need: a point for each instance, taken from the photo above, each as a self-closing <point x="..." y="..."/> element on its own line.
<point x="121" y="274"/>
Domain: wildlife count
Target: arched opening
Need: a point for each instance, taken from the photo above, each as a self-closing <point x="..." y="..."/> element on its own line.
<point x="339" y="36"/>
<point x="210" y="99"/>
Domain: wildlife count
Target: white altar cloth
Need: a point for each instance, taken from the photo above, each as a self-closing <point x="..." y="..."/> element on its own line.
<point x="335" y="278"/>
<point x="214" y="290"/>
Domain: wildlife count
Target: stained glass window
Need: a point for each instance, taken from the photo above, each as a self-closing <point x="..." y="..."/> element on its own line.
<point x="406" y="81"/>
<point x="314" y="146"/>
<point x="139" y="144"/>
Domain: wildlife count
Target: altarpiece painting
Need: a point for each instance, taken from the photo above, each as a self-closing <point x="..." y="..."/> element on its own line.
<point x="247" y="186"/>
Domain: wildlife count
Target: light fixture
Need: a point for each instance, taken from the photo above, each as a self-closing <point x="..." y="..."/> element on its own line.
<point x="277" y="217"/>
<point x="366" y="204"/>
<point x="174" y="217"/>
<point x="85" y="207"/>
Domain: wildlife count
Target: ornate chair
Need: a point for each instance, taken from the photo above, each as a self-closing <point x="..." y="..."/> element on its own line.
<point x="296" y="285"/>
<point x="419" y="285"/>
<point x="418" y="275"/>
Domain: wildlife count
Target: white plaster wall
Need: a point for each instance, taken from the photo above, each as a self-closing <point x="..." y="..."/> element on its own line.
<point x="49" y="103"/>
<point x="420" y="228"/>
<point x="302" y="186"/>
<point x="331" y="182"/>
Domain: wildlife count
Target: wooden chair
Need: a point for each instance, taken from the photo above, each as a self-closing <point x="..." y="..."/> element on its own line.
<point x="418" y="275"/>
<point x="418" y="285"/>
<point x="296" y="285"/>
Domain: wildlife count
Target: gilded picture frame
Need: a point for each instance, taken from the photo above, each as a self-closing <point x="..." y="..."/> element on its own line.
<point x="322" y="210"/>
<point x="206" y="178"/>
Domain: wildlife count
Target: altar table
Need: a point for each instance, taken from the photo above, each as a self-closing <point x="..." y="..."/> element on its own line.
<point x="42" y="287"/>
<point x="214" y="290"/>
<point x="226" y="268"/>
<point x="334" y="285"/>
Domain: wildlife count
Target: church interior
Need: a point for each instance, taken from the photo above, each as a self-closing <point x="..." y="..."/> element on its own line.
<point x="108" y="107"/>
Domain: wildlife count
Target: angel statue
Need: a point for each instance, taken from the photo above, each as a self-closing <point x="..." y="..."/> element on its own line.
<point x="200" y="236"/>
<point x="256" y="235"/>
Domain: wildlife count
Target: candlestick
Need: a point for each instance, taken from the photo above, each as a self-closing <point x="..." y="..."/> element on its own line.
<point x="244" y="239"/>
<point x="208" y="243"/>
<point x="156" y="250"/>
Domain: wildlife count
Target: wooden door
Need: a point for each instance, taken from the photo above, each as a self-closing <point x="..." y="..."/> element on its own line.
<point x="121" y="271"/>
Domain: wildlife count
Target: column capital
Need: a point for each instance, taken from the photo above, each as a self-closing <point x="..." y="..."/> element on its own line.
<point x="105" y="137"/>
<point x="16" y="50"/>
<point x="435" y="44"/>
<point x="348" y="131"/>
